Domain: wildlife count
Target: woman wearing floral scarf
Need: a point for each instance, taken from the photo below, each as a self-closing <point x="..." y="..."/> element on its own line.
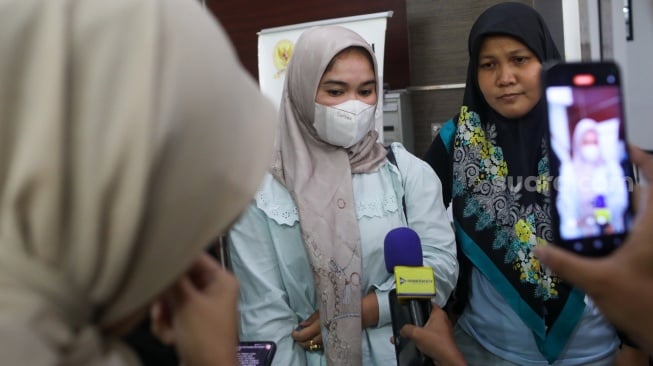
<point x="492" y="160"/>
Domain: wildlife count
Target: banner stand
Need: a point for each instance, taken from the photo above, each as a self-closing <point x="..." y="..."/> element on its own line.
<point x="276" y="45"/>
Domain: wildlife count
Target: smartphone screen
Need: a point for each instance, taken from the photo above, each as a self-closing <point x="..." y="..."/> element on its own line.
<point x="405" y="349"/>
<point x="592" y="174"/>
<point x="256" y="353"/>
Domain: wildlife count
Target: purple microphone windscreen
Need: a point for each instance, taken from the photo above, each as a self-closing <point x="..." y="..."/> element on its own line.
<point x="402" y="247"/>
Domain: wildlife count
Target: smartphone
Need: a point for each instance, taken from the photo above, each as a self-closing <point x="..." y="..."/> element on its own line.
<point x="405" y="349"/>
<point x="219" y="249"/>
<point x="592" y="175"/>
<point x="256" y="353"/>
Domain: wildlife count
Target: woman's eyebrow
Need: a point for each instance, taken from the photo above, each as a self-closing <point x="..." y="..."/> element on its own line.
<point x="519" y="50"/>
<point x="334" y="82"/>
<point x="343" y="84"/>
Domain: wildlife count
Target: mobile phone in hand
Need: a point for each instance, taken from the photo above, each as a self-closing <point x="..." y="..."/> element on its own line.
<point x="256" y="353"/>
<point x="592" y="175"/>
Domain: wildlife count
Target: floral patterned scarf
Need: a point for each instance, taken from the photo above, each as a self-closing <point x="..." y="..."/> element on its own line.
<point x="499" y="219"/>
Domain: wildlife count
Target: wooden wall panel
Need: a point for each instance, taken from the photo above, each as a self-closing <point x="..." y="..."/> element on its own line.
<point x="243" y="19"/>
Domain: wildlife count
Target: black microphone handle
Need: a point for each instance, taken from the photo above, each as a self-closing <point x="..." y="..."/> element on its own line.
<point x="420" y="310"/>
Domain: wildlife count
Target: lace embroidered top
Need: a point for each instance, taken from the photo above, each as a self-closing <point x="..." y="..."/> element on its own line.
<point x="269" y="259"/>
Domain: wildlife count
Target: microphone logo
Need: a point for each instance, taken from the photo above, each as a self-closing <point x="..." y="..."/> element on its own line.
<point x="414" y="282"/>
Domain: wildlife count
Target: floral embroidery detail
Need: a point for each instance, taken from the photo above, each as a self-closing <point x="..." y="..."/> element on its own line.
<point x="377" y="206"/>
<point x="543" y="184"/>
<point x="483" y="171"/>
<point x="543" y="178"/>
<point x="523" y="231"/>
<point x="276" y="202"/>
<point x="526" y="263"/>
<point x="491" y="163"/>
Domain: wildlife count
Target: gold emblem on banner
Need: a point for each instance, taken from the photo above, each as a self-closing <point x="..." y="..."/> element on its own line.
<point x="281" y="56"/>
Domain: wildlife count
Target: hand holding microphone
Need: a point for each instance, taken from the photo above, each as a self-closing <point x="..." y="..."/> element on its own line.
<point x="415" y="285"/>
<point x="436" y="339"/>
<point x="422" y="333"/>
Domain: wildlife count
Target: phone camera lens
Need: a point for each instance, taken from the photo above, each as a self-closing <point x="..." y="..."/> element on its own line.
<point x="611" y="79"/>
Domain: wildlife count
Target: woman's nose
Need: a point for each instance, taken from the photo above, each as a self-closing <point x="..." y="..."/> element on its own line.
<point x="506" y="76"/>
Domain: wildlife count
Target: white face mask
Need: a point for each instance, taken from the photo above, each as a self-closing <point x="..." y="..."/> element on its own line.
<point x="344" y="124"/>
<point x="590" y="153"/>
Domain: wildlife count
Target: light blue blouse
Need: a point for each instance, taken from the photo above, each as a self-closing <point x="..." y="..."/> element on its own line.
<point x="276" y="283"/>
<point x="493" y="323"/>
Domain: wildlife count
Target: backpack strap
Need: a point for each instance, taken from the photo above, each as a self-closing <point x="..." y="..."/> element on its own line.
<point x="393" y="160"/>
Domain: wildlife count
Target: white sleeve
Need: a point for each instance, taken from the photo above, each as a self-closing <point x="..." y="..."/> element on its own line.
<point x="265" y="314"/>
<point x="428" y="217"/>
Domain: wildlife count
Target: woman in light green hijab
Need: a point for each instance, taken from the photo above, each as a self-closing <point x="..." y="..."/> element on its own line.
<point x="130" y="137"/>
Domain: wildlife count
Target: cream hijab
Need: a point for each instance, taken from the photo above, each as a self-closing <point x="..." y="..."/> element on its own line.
<point x="130" y="136"/>
<point x="319" y="178"/>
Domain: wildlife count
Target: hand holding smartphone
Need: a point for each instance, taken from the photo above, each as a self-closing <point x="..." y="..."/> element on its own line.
<point x="256" y="353"/>
<point x="588" y="156"/>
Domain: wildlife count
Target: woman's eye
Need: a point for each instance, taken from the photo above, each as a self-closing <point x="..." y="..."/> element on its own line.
<point x="520" y="59"/>
<point x="486" y="65"/>
<point x="366" y="93"/>
<point x="334" y="93"/>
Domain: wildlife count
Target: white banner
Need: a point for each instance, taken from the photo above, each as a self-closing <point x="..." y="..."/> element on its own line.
<point x="276" y="45"/>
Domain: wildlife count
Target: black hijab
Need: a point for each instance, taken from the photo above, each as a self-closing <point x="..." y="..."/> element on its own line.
<point x="498" y="222"/>
<point x="515" y="136"/>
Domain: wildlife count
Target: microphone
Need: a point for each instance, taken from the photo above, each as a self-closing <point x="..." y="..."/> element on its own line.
<point x="410" y="302"/>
